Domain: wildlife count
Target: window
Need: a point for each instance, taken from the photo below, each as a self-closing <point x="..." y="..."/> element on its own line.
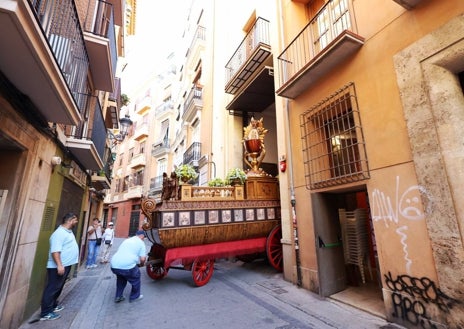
<point x="142" y="148"/>
<point x="331" y="21"/>
<point x="137" y="178"/>
<point x="164" y="134"/>
<point x="333" y="141"/>
<point x="162" y="167"/>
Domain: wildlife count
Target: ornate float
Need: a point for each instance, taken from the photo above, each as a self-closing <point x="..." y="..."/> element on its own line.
<point x="194" y="225"/>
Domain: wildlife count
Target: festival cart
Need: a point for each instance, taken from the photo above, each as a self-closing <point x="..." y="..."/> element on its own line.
<point x="194" y="225"/>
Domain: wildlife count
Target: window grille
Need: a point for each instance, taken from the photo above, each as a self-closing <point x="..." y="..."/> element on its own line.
<point x="333" y="141"/>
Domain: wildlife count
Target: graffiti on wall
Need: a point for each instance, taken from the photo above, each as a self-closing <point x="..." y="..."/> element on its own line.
<point x="405" y="205"/>
<point x="411" y="296"/>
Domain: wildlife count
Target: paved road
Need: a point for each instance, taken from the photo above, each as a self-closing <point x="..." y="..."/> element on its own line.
<point x="238" y="296"/>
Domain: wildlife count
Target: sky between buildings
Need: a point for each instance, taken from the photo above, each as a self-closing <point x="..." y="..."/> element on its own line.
<point x="159" y="25"/>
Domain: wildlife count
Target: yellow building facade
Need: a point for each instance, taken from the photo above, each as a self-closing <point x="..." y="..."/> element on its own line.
<point x="373" y="94"/>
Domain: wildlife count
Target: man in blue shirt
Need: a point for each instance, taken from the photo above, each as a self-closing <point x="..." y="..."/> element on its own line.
<point x="125" y="264"/>
<point x="63" y="253"/>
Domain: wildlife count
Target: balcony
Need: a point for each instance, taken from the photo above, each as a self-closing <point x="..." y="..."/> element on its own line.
<point x="324" y="43"/>
<point x="193" y="154"/>
<point x="257" y="96"/>
<point x="196" y="46"/>
<point x="408" y="4"/>
<point x="100" y="41"/>
<point x="156" y="185"/>
<point x="164" y="108"/>
<point x="134" y="192"/>
<point x="100" y="182"/>
<point x="250" y="55"/>
<point x="193" y="103"/>
<point x="143" y="106"/>
<point x="138" y="161"/>
<point x="87" y="141"/>
<point x="160" y="149"/>
<point x="141" y="132"/>
<point x="53" y="64"/>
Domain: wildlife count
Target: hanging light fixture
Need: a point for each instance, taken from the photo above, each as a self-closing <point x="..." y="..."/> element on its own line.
<point x="124" y="125"/>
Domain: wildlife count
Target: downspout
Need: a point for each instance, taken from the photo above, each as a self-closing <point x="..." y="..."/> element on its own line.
<point x="290" y="172"/>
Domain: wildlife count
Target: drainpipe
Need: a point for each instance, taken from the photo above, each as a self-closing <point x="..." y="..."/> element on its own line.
<point x="293" y="200"/>
<point x="290" y="172"/>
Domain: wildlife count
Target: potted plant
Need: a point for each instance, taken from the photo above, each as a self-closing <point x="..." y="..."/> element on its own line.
<point x="216" y="182"/>
<point x="236" y="176"/>
<point x="186" y="172"/>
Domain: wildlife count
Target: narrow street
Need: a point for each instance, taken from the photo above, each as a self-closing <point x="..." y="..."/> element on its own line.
<point x="239" y="295"/>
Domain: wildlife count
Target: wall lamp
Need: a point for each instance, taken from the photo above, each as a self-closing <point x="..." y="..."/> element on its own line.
<point x="124" y="125"/>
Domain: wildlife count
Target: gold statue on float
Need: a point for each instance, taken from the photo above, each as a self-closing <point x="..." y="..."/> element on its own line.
<point x="253" y="142"/>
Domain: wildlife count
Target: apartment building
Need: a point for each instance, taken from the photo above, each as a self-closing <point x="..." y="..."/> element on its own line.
<point x="58" y="96"/>
<point x="145" y="154"/>
<point x="372" y="92"/>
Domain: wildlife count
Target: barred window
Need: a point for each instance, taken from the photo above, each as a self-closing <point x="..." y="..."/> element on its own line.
<point x="333" y="141"/>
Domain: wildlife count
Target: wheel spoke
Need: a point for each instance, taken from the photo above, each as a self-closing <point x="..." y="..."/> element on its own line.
<point x="202" y="270"/>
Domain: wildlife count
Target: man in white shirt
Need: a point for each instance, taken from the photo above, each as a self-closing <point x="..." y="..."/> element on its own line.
<point x="125" y="264"/>
<point x="108" y="238"/>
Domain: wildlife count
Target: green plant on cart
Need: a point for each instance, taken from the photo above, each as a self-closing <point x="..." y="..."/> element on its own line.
<point x="186" y="172"/>
<point x="216" y="182"/>
<point x="235" y="176"/>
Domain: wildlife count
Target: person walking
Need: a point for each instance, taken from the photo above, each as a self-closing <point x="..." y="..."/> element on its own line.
<point x="108" y="238"/>
<point x="94" y="238"/>
<point x="63" y="253"/>
<point x="125" y="263"/>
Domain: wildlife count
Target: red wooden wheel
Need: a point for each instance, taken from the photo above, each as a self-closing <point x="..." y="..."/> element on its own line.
<point x="202" y="270"/>
<point x="274" y="248"/>
<point x="155" y="271"/>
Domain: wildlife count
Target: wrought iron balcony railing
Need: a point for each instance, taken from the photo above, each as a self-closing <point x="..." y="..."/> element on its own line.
<point x="193" y="154"/>
<point x="193" y="103"/>
<point x="100" y="22"/>
<point x="246" y="54"/>
<point x="60" y="23"/>
<point x="200" y="35"/>
<point x="87" y="140"/>
<point x="328" y="38"/>
<point x="160" y="148"/>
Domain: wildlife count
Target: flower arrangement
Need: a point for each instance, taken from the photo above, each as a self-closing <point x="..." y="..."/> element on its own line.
<point x="235" y="175"/>
<point x="186" y="172"/>
<point x="216" y="182"/>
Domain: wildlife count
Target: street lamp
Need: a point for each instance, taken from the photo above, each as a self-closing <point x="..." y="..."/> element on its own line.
<point x="124" y="125"/>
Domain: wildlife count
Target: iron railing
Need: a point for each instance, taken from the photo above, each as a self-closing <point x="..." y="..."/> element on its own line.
<point x="156" y="183"/>
<point x="94" y="130"/>
<point x="332" y="20"/>
<point x="100" y="21"/>
<point x="60" y="24"/>
<point x="195" y="94"/>
<point x="193" y="153"/>
<point x="259" y="34"/>
<point x="200" y="34"/>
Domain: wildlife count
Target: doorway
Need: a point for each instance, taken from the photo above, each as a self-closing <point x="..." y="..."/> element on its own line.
<point x="346" y="250"/>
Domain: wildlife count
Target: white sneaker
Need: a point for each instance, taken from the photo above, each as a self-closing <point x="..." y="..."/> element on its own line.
<point x="94" y="265"/>
<point x="138" y="298"/>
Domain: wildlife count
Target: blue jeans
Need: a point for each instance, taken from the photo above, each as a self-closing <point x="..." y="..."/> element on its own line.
<point x="92" y="252"/>
<point x="123" y="276"/>
<point x="52" y="291"/>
